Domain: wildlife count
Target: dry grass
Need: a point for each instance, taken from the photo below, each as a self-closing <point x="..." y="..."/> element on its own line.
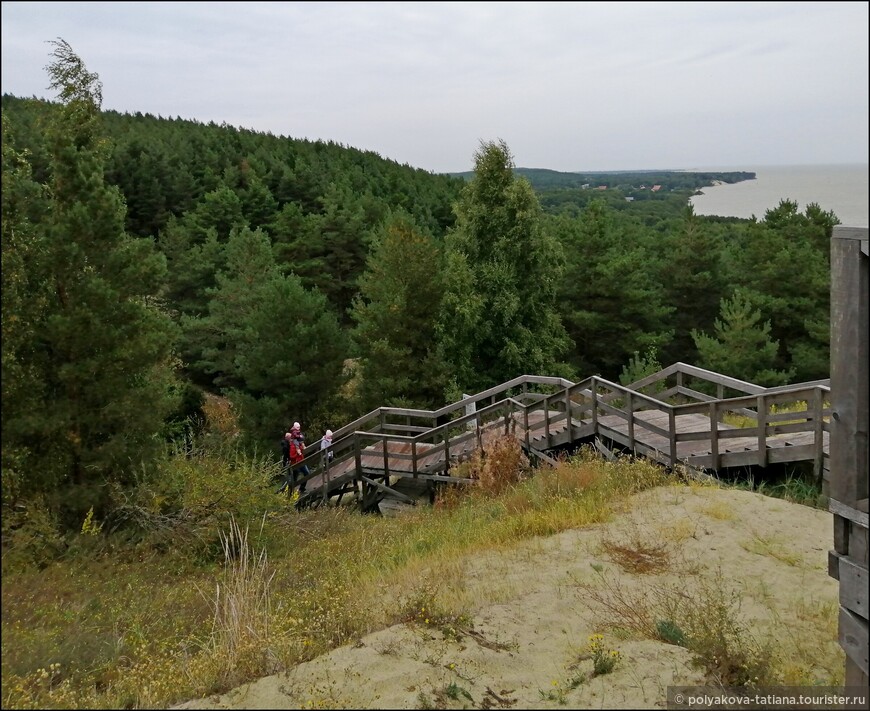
<point x="638" y="557"/>
<point x="240" y="637"/>
<point x="772" y="548"/>
<point x="128" y="627"/>
<point x="702" y="614"/>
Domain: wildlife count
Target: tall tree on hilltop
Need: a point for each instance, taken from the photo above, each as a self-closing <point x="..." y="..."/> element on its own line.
<point x="498" y="317"/>
<point x="101" y="346"/>
<point x="396" y="316"/>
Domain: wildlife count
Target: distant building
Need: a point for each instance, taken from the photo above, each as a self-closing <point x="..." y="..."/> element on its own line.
<point x="601" y="187"/>
<point x="656" y="188"/>
<point x="629" y="199"/>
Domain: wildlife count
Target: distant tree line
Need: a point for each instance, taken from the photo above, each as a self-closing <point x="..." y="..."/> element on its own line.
<point x="149" y="260"/>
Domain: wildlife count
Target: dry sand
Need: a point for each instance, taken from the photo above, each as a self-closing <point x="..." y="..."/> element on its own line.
<point x="533" y="624"/>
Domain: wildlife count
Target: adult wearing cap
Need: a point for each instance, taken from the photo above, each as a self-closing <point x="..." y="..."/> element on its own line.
<point x="297" y="454"/>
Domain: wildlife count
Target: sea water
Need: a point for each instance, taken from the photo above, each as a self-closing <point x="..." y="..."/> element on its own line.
<point x="841" y="189"/>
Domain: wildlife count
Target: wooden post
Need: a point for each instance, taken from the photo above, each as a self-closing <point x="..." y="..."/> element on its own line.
<point x="357" y="458"/>
<point x="546" y="422"/>
<point x="672" y="435"/>
<point x="568" y="415"/>
<point x="384" y="444"/>
<point x="594" y="406"/>
<point x="526" y="425"/>
<point x="714" y="435"/>
<point x="630" y="406"/>
<point x="326" y="477"/>
<point x="761" y="419"/>
<point x="446" y="449"/>
<point x="818" y="434"/>
<point x="848" y="487"/>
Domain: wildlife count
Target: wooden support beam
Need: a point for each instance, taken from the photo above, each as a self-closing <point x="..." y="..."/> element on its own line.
<point x="387" y="490"/>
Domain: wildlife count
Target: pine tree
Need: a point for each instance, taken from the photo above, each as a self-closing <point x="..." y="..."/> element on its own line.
<point x="741" y="346"/>
<point x="396" y="317"/>
<point x="498" y="317"/>
<point x="24" y="298"/>
<point x="275" y="348"/>
<point x="693" y="284"/>
<point x="101" y="346"/>
<point x="613" y="306"/>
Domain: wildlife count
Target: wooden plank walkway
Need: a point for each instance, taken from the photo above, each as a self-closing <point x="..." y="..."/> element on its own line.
<point x="370" y="462"/>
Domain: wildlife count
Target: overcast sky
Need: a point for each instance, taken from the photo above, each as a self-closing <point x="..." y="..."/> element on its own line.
<point x="568" y="86"/>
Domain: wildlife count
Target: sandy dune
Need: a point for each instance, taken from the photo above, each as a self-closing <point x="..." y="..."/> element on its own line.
<point x="536" y="614"/>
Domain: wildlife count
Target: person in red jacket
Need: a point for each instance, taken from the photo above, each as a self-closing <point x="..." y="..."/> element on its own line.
<point x="297" y="454"/>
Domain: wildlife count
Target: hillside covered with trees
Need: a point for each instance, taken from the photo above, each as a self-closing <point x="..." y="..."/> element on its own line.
<point x="150" y="261"/>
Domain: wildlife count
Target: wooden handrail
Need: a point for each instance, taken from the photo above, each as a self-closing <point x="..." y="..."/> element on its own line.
<point x="599" y="395"/>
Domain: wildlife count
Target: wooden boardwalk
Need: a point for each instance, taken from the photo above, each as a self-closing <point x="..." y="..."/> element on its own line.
<point x="666" y="417"/>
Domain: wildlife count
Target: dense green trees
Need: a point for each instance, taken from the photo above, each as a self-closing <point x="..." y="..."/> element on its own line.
<point x="782" y="267"/>
<point x="275" y="348"/>
<point x="611" y="298"/>
<point x="695" y="284"/>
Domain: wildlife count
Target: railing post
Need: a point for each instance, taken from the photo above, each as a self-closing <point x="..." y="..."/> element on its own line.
<point x="568" y="415"/>
<point x="326" y="476"/>
<point x="630" y="405"/>
<point x="761" y="417"/>
<point x="818" y="434"/>
<point x="594" y="407"/>
<point x="357" y="455"/>
<point x="446" y="449"/>
<point x="672" y="436"/>
<point x="526" y="426"/>
<point x="414" y="457"/>
<point x="547" y="421"/>
<point x="714" y="435"/>
<point x="386" y="456"/>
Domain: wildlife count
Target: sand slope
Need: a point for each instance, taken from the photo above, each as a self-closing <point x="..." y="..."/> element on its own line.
<point x="532" y="628"/>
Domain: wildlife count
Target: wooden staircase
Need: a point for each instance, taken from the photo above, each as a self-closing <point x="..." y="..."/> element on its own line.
<point x="667" y="417"/>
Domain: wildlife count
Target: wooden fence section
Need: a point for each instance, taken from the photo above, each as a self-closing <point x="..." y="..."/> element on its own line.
<point x="849" y="457"/>
<point x="666" y="417"/>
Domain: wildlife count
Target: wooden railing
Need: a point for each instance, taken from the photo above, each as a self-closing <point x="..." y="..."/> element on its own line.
<point x="426" y="443"/>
